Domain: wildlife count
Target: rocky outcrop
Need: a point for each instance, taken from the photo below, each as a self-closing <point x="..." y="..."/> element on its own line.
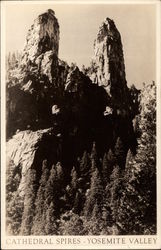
<point x="43" y="36"/>
<point x="40" y="54"/>
<point x="56" y="110"/>
<point x="27" y="149"/>
<point x="21" y="149"/>
<point x="74" y="80"/>
<point x="109" y="64"/>
<point x="38" y="81"/>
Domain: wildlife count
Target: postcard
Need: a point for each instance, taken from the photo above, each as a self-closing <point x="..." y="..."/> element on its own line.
<point x="80" y="125"/>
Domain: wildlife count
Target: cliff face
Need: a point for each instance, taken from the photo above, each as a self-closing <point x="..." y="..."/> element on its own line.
<point x="109" y="64"/>
<point x="42" y="36"/>
<point x="44" y="93"/>
<point x="39" y="78"/>
<point x="28" y="148"/>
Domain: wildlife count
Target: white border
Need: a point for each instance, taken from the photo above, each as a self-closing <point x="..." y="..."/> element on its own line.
<point x="123" y="2"/>
<point x="3" y="122"/>
<point x="158" y="81"/>
<point x="84" y="239"/>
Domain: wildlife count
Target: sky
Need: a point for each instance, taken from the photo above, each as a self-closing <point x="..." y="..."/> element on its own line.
<point x="79" y="25"/>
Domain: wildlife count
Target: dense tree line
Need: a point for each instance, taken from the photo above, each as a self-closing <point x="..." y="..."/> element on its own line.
<point x="115" y="194"/>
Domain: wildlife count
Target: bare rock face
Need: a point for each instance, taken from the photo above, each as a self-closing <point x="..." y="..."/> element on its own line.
<point x="40" y="55"/>
<point x="24" y="150"/>
<point x="35" y="80"/>
<point x="74" y="80"/>
<point x="21" y="150"/>
<point x="48" y="64"/>
<point x="109" y="61"/>
<point x="42" y="36"/>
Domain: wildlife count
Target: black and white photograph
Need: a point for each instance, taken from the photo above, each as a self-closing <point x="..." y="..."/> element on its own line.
<point x="80" y="141"/>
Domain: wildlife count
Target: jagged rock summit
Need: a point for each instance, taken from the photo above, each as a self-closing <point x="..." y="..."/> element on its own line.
<point x="109" y="61"/>
<point x="43" y="36"/>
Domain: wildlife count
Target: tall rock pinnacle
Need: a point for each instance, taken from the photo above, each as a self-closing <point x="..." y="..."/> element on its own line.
<point x="42" y="36"/>
<point x="54" y="111"/>
<point x="109" y="59"/>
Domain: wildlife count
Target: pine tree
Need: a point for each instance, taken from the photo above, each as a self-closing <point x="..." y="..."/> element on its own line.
<point x="12" y="180"/>
<point x="107" y="166"/>
<point x="51" y="227"/>
<point x="126" y="213"/>
<point x="74" y="194"/>
<point x="53" y="192"/>
<point x="51" y="201"/>
<point x="39" y="220"/>
<point x="145" y="166"/>
<point x="84" y="173"/>
<point x="78" y="202"/>
<point x="60" y="184"/>
<point x="115" y="189"/>
<point x="94" y="152"/>
<point x="60" y="174"/>
<point x="94" y="194"/>
<point x="111" y="157"/>
<point x="51" y="187"/>
<point x="71" y="224"/>
<point x="138" y="201"/>
<point x="74" y="180"/>
<point x="29" y="200"/>
<point x="14" y="202"/>
<point x="94" y="225"/>
<point x="120" y="153"/>
<point x="85" y="165"/>
<point x="107" y="221"/>
<point x="134" y="100"/>
<point x="14" y="211"/>
<point x="94" y="159"/>
<point x="45" y="173"/>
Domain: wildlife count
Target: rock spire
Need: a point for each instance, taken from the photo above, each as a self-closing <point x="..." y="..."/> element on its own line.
<point x="43" y="36"/>
<point x="109" y="59"/>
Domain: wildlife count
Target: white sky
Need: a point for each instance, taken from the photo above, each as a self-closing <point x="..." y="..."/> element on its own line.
<point x="79" y="24"/>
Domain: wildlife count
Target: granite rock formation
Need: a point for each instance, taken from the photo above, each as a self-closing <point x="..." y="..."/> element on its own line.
<point x="28" y="148"/>
<point x="45" y="94"/>
<point x="43" y="36"/>
<point x="109" y="65"/>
